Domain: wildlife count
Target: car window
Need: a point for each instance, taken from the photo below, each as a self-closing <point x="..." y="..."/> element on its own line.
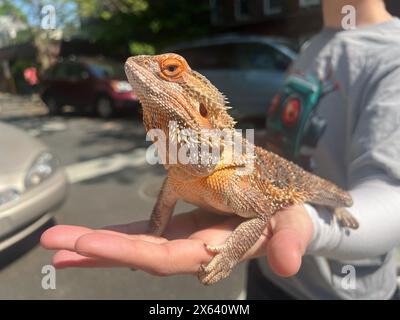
<point x="235" y="56"/>
<point x="69" y="71"/>
<point x="107" y="71"/>
<point x="100" y="71"/>
<point x="260" y="57"/>
<point x="76" y="71"/>
<point x="209" y="57"/>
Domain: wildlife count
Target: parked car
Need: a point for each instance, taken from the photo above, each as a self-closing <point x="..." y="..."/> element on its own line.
<point x="90" y="85"/>
<point x="32" y="185"/>
<point x="249" y="70"/>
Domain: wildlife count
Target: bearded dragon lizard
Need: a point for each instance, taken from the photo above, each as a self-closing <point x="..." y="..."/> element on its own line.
<point x="169" y="90"/>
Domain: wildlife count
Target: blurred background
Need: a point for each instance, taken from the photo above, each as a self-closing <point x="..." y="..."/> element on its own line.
<point x="72" y="144"/>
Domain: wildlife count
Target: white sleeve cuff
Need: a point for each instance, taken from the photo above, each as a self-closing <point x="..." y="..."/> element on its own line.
<point x="325" y="227"/>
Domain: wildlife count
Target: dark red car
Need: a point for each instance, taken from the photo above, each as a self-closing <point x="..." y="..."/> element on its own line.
<point x="95" y="86"/>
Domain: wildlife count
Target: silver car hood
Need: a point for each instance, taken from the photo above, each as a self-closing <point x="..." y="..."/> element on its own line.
<point x="17" y="149"/>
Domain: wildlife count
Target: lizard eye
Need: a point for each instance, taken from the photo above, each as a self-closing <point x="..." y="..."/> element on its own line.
<point x="171" y="68"/>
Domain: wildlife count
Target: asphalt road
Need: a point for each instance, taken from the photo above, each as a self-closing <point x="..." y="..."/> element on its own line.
<point x="122" y="191"/>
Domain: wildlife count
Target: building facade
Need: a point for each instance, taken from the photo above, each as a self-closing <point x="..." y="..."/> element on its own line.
<point x="296" y="19"/>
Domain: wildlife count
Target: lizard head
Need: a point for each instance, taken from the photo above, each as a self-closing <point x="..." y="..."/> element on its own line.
<point x="169" y="90"/>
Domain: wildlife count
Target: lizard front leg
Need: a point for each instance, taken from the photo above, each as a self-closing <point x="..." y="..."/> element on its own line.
<point x="248" y="203"/>
<point x="163" y="209"/>
<point x="231" y="252"/>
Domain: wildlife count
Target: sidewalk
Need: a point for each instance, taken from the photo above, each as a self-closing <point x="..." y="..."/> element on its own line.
<point x="12" y="106"/>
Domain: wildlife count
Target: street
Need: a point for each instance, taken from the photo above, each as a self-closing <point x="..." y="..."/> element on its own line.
<point x="111" y="183"/>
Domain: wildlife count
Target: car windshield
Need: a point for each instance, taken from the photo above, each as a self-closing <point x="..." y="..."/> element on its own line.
<point x="107" y="70"/>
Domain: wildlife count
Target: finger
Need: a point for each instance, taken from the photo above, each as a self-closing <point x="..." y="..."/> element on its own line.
<point x="143" y="237"/>
<point x="67" y="259"/>
<point x="180" y="226"/>
<point x="136" y="227"/>
<point x="284" y="253"/>
<point x="62" y="237"/>
<point x="218" y="233"/>
<point x="173" y="257"/>
<point x="295" y="218"/>
<point x="186" y="224"/>
<point x="292" y="232"/>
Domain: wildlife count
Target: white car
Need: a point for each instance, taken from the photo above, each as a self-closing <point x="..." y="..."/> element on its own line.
<point x="32" y="185"/>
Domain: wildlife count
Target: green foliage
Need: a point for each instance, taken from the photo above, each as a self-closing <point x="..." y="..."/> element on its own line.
<point x="143" y="26"/>
<point x="141" y="48"/>
<point x="107" y="8"/>
<point x="8" y="7"/>
<point x="23" y="36"/>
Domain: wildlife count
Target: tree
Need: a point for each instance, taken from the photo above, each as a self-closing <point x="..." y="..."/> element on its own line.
<point x="41" y="31"/>
<point x="143" y="26"/>
<point x="124" y="26"/>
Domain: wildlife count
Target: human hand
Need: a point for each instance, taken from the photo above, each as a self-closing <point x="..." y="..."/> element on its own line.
<point x="181" y="250"/>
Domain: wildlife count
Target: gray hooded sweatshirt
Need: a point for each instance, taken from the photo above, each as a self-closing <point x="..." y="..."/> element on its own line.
<point x="360" y="151"/>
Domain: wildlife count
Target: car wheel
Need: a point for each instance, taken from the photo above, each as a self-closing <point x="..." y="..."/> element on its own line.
<point x="104" y="108"/>
<point x="52" y="106"/>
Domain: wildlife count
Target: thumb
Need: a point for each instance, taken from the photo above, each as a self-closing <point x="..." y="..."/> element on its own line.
<point x="292" y="232"/>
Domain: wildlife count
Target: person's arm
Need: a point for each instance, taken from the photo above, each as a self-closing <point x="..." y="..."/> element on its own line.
<point x="374" y="177"/>
<point x="377" y="208"/>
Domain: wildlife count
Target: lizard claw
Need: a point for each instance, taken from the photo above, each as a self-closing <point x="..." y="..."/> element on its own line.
<point x="218" y="268"/>
<point x="215" y="249"/>
<point x="346" y="219"/>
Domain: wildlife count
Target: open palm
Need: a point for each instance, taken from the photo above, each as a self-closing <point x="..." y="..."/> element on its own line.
<point x="182" y="249"/>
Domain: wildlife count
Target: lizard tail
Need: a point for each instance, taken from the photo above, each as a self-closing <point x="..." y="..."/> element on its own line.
<point x="328" y="194"/>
